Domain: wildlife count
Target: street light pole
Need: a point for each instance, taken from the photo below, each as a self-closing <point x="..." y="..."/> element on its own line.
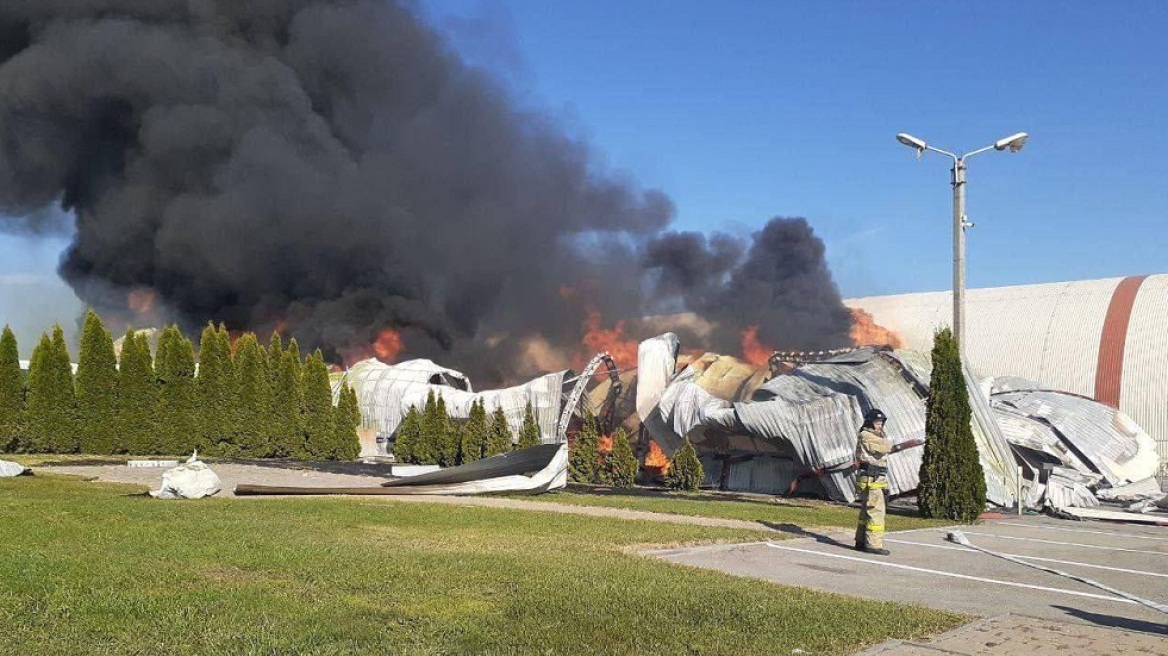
<point x="959" y="253"/>
<point x="1014" y="143"/>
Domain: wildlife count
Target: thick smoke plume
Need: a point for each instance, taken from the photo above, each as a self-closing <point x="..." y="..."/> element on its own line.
<point x="333" y="167"/>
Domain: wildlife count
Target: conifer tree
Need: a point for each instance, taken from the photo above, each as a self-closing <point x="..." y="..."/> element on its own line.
<point x="500" y="438"/>
<point x="529" y="433"/>
<point x="233" y="410"/>
<point x="347" y="418"/>
<point x="409" y="435"/>
<point x="212" y="388"/>
<point x="474" y="433"/>
<point x="97" y="386"/>
<point x="287" y="404"/>
<point x="952" y="481"/>
<point x="39" y="396"/>
<point x="318" y="407"/>
<point x="426" y="450"/>
<point x="255" y="398"/>
<point x="448" y="437"/>
<point x="12" y="415"/>
<point x="66" y="441"/>
<point x="685" y="471"/>
<point x="584" y="456"/>
<point x="51" y="397"/>
<point x="621" y="464"/>
<point x="177" y="415"/>
<point x="275" y="352"/>
<point x="137" y="397"/>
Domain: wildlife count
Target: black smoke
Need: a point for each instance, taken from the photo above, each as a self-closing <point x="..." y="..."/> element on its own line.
<point x="782" y="285"/>
<point x="335" y="166"/>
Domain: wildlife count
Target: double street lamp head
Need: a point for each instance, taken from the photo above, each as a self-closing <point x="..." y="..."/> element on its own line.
<point x="1013" y="143"/>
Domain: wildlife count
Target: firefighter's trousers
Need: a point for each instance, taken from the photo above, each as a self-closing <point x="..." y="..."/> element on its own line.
<point x="870" y="531"/>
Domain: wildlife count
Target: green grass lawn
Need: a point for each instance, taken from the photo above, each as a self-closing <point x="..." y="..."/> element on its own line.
<point x="804" y="513"/>
<point x="98" y="568"/>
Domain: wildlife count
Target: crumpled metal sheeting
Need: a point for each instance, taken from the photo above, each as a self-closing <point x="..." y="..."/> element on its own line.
<point x="1066" y="488"/>
<point x="683" y="406"/>
<point x="819" y="407"/>
<point x="820" y="427"/>
<point x="1109" y="440"/>
<point x="656" y="365"/>
<point x="1148" y="488"/>
<point x="1024" y="431"/>
<point x="386" y="392"/>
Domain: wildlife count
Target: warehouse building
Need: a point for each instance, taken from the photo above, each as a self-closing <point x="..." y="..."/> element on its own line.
<point x="1104" y="339"/>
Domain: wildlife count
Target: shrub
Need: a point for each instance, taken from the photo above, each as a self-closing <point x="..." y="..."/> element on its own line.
<point x="409" y="435"/>
<point x="319" y="426"/>
<point x="529" y="433"/>
<point x="474" y="433"/>
<point x="97" y="387"/>
<point x="137" y="397"/>
<point x="584" y="456"/>
<point x="12" y="414"/>
<point x="621" y="464"/>
<point x="685" y="470"/>
<point x="500" y="438"/>
<point x="952" y="480"/>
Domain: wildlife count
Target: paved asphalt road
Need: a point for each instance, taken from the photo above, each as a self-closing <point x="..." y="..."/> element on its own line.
<point x="926" y="569"/>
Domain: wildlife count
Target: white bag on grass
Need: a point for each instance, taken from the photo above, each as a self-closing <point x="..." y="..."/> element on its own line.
<point x="191" y="480"/>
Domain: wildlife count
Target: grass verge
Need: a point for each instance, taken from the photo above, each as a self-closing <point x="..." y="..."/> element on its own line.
<point x="804" y="513"/>
<point x="98" y="568"/>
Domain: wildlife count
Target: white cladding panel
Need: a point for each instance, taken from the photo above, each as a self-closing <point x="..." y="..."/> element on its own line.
<point x="1071" y="348"/>
<point x="1144" y="388"/>
<point x="1047" y="333"/>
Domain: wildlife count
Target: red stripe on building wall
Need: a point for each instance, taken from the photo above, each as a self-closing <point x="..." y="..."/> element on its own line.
<point x="1109" y="369"/>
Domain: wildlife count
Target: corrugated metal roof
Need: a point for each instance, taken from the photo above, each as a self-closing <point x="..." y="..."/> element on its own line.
<point x="1101" y="436"/>
<point x="386" y="392"/>
<point x="1144" y="389"/>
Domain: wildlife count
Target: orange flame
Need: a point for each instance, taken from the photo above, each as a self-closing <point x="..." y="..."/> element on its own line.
<point x="866" y="332"/>
<point x="141" y="301"/>
<point x="567" y="291"/>
<point x="753" y="351"/>
<point x="605" y="445"/>
<point x="385" y="347"/>
<point x="596" y="339"/>
<point x="388" y="345"/>
<point x="656" y="462"/>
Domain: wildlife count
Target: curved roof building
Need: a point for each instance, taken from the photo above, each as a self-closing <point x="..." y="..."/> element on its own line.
<point x="1105" y="339"/>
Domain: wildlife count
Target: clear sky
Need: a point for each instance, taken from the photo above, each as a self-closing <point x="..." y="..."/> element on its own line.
<point x="745" y="110"/>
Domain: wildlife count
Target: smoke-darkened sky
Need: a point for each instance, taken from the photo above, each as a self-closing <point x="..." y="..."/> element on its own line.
<point x="334" y="166"/>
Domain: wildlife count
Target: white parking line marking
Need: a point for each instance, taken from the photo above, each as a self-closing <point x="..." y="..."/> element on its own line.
<point x="954" y="574"/>
<point x="1047" y="560"/>
<point x="1067" y="544"/>
<point x="1081" y="530"/>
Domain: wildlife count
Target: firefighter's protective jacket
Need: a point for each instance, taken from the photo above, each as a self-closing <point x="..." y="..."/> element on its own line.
<point x="872" y="448"/>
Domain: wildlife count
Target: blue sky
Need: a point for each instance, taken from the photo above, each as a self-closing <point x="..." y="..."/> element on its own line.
<point x="746" y="110"/>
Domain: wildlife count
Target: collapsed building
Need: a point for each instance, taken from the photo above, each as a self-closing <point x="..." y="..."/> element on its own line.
<point x="791" y="426"/>
<point x="797" y="429"/>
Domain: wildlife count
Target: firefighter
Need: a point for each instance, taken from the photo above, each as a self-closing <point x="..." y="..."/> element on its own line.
<point x="872" y="451"/>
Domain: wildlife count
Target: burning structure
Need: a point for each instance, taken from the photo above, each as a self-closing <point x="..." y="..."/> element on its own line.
<point x="792" y="424"/>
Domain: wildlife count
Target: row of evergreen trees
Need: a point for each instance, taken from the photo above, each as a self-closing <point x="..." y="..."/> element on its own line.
<point x="431" y="437"/>
<point x="246" y="401"/>
<point x="587" y="463"/>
